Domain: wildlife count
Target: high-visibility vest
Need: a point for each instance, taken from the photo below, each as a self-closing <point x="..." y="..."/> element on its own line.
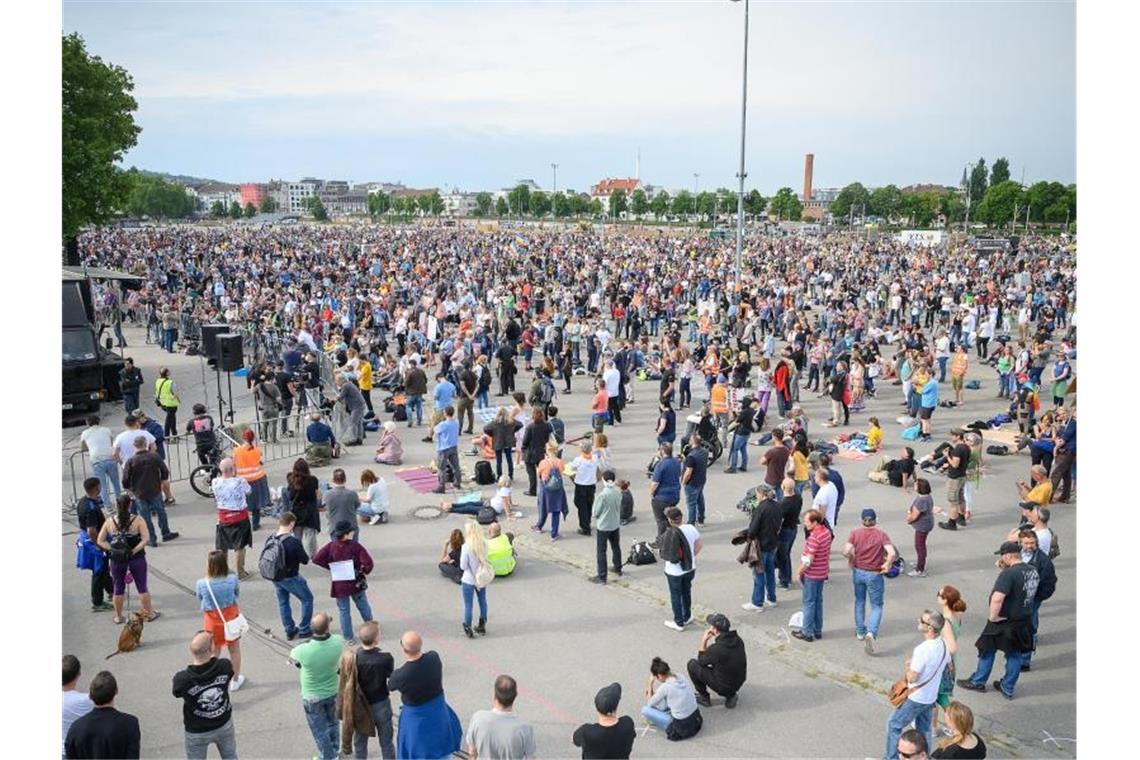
<point x="718" y="398"/>
<point x="247" y="460"/>
<point x="164" y="392"/>
<point x="500" y="555"/>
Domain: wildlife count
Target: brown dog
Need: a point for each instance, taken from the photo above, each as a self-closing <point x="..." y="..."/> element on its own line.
<point x="131" y="635"/>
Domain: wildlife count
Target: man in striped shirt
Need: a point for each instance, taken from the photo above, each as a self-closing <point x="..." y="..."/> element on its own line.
<point x="812" y="572"/>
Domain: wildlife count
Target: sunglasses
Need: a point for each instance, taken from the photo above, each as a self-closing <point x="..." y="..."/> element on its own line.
<point x="908" y="755"/>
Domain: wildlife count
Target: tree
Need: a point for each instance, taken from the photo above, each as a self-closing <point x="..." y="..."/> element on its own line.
<point x="786" y="205"/>
<point x="683" y="204"/>
<point x="951" y="206"/>
<point x="235" y="210"/>
<point x="269" y="204"/>
<point x="154" y="197"/>
<point x="659" y="205"/>
<point x="594" y="207"/>
<point x="316" y="208"/>
<point x="618" y="203"/>
<point x="249" y="211"/>
<point x="540" y="204"/>
<point x="978" y="183"/>
<point x="218" y="210"/>
<point x="561" y="205"/>
<point x="1000" y="172"/>
<point x="705" y="203"/>
<point x="98" y="128"/>
<point x="378" y="203"/>
<point x="755" y="203"/>
<point x="501" y="206"/>
<point x="885" y="202"/>
<point x="483" y="204"/>
<point x="638" y="203"/>
<point x="920" y="208"/>
<point x="519" y="200"/>
<point x="997" y="207"/>
<point x="579" y="204"/>
<point x="725" y="201"/>
<point x="853" y="195"/>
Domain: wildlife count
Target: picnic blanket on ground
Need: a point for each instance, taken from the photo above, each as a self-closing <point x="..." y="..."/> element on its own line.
<point x="421" y="479"/>
<point x="852" y="453"/>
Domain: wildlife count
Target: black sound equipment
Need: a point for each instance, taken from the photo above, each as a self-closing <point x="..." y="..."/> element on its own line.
<point x="229" y="352"/>
<point x="210" y="335"/>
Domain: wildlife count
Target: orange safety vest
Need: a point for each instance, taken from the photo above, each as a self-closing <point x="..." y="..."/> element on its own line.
<point x="248" y="463"/>
<point x="718" y="398"/>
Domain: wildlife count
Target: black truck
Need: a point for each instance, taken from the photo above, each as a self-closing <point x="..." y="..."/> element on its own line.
<point x="90" y="370"/>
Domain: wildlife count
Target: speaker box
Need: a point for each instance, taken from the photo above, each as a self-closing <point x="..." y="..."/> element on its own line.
<point x="210" y="335"/>
<point x="229" y="352"/>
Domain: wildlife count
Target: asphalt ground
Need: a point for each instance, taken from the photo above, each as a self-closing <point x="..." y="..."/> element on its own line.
<point x="562" y="638"/>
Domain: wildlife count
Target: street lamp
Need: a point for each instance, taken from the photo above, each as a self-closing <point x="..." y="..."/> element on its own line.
<point x="741" y="175"/>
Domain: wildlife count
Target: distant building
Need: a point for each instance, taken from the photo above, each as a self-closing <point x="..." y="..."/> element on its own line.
<point x="458" y="203"/>
<point x="252" y="192"/>
<point x="604" y="189"/>
<point x="217" y="192"/>
<point x="350" y="203"/>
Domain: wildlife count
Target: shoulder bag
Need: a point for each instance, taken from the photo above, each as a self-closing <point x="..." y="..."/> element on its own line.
<point x="900" y="689"/>
<point x="232" y="629"/>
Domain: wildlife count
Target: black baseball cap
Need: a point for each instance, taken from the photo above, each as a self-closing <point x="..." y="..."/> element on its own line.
<point x="1009" y="547"/>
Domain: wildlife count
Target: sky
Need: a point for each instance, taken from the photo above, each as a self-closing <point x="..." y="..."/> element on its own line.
<point x="478" y="95"/>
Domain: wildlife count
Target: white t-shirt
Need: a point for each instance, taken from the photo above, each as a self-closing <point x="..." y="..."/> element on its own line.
<point x="377" y="496"/>
<point x="499" y="500"/>
<point x="691" y="535"/>
<point x="125" y="443"/>
<point x="585" y="471"/>
<point x="76" y="704"/>
<point x="928" y="660"/>
<point x="1044" y="539"/>
<point x="825" y="501"/>
<point x="612" y="380"/>
<point x="100" y="444"/>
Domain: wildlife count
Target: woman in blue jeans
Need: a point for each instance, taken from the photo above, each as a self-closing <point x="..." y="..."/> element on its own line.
<point x="471" y="558"/>
<point x="672" y="703"/>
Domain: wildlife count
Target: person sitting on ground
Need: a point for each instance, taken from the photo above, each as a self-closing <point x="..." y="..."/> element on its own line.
<point x="374" y="500"/>
<point x="721" y="663"/>
<point x="449" y="559"/>
<point x="389" y="450"/>
<point x="472" y="503"/>
<point x="874" y="435"/>
<point x="321" y="441"/>
<point x="501" y="554"/>
<point x="895" y="472"/>
<point x="672" y="704"/>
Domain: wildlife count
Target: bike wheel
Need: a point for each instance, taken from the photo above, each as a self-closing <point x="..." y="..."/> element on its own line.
<point x="202" y="478"/>
<point x="715" y="450"/>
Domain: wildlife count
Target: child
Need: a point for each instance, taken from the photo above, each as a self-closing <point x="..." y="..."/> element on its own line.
<point x="374" y="500"/>
<point x="89" y="509"/>
<point x="874" y="435"/>
<point x="626" y="513"/>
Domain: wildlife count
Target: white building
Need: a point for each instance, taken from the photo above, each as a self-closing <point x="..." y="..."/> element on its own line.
<point x="458" y="203"/>
<point x="217" y="192"/>
<point x="298" y="194"/>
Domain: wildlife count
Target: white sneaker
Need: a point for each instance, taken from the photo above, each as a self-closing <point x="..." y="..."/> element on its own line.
<point x="917" y="573"/>
<point x="375" y="520"/>
<point x="751" y="607"/>
<point x="236" y="683"/>
<point x="859" y="636"/>
<point x="770" y="603"/>
<point x="869" y="643"/>
<point x="674" y="626"/>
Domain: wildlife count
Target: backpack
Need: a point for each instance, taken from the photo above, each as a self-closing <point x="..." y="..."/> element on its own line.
<point x="400" y="414"/>
<point x="484" y="575"/>
<point x="641" y="554"/>
<point x="120" y="546"/>
<point x="546" y="393"/>
<point x="997" y="449"/>
<point x="553" y="480"/>
<point x="484" y="475"/>
<point x="912" y="433"/>
<point x="271" y="565"/>
<point x="486" y="515"/>
<point x="1054" y="546"/>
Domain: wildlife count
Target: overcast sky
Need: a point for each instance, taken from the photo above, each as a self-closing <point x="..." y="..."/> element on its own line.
<point x="481" y="94"/>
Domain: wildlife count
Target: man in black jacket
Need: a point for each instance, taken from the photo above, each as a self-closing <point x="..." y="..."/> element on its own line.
<point x="764" y="527"/>
<point x="104" y="732"/>
<point x="1032" y="555"/>
<point x="534" y="441"/>
<point x="721" y="663"/>
<point x="204" y="688"/>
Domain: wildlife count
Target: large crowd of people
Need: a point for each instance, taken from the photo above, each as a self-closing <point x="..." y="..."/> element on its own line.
<point x="441" y="319"/>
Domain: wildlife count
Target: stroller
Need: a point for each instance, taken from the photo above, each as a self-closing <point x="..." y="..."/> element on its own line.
<point x="703" y="425"/>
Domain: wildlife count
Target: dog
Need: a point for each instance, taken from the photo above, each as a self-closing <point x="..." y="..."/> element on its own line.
<point x="131" y="635"/>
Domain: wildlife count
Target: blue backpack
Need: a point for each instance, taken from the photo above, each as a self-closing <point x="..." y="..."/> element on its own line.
<point x="912" y="433"/>
<point x="553" y="480"/>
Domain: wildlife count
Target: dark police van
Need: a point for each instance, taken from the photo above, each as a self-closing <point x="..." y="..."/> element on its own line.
<point x="90" y="371"/>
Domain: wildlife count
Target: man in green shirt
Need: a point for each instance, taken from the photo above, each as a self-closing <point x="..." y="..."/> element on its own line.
<point x="607" y="520"/>
<point x="317" y="659"/>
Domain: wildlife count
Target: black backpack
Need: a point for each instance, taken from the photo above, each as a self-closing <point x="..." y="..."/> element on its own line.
<point x="272" y="562"/>
<point x="484" y="475"/>
<point x="641" y="554"/>
<point x="120" y="547"/>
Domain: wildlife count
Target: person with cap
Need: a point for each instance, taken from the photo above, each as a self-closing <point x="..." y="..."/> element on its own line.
<point x="1034" y="556"/>
<point x="349" y="563"/>
<point x="764" y="528"/>
<point x="1009" y="621"/>
<point x="499" y="732"/>
<point x="1035" y="518"/>
<point x="957" y="460"/>
<point x="870" y="553"/>
<point x="721" y="663"/>
<point x="611" y="738"/>
<point x="923" y="671"/>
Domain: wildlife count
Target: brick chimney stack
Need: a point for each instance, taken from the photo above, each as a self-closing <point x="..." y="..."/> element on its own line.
<point x="808" y="159"/>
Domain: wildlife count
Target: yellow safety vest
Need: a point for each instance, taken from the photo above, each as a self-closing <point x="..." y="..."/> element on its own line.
<point x="500" y="555"/>
<point x="164" y="392"/>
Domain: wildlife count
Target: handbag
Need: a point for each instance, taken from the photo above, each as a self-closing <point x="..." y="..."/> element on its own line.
<point x="234" y="628"/>
<point x="900" y="689"/>
<point x="484" y="575"/>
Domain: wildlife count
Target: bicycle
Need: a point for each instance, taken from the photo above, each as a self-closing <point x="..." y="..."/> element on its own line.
<point x="202" y="476"/>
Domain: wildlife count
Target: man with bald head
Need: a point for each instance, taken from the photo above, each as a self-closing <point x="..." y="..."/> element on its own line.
<point x="204" y="690"/>
<point x="318" y="659"/>
<point x="234" y="531"/>
<point x="428" y="727"/>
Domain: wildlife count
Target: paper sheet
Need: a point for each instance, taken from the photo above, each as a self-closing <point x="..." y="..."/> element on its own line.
<point x="343" y="570"/>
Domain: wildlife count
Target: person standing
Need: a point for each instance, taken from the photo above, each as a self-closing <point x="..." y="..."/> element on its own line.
<point x="349" y="564"/>
<point x="103" y="733"/>
<point x="742" y="427"/>
<point x="415" y="385"/>
<point x="611" y="738"/>
<point x="533" y="445"/>
<point x="233" y="531"/>
<point x="318" y="659"/>
<point x="680" y="545"/>
<point x="790" y="506"/>
<point x="606" y="511"/>
<point x="76" y="704"/>
<point x="870" y="553"/>
<point x="1033" y="556"/>
<point x="465" y="401"/>
<point x="287" y="580"/>
<point x="373" y="667"/>
<point x="826" y="499"/>
<point x="427" y="727"/>
<point x="130" y="381"/>
<point x="721" y="663"/>
<point x="665" y="490"/>
<point x="472" y="558"/>
<point x="498" y="733"/>
<point x="166" y="397"/>
<point x="585" y="469"/>
<point x="204" y="687"/>
<point x="923" y="672"/>
<point x="814" y="569"/>
<point x="124" y="538"/>
<point x="775" y="459"/>
<point x="1009" y="626"/>
<point x="957" y="460"/>
<point x="693" y="478"/>
<point x="89" y="512"/>
<point x="1065" y="459"/>
<point x="97" y="441"/>
<point x="348" y="394"/>
<point x="143" y="476"/>
<point x="218" y="595"/>
<point x="764" y="529"/>
<point x="920" y="517"/>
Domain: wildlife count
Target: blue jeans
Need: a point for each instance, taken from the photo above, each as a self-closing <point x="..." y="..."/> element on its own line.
<point x="739" y="448"/>
<point x="108" y="473"/>
<point x="416" y="404"/>
<point x="321" y="716"/>
<point x="681" y="596"/>
<point x="481" y="401"/>
<point x="695" y="501"/>
<point x="901" y="718"/>
<point x="300" y="589"/>
<point x="813" y="607"/>
<point x="342" y="605"/>
<point x="867" y="582"/>
<point x="382" y="717"/>
<point x="942" y="360"/>
<point x="146" y="508"/>
<point x="1013" y="662"/>
<point x="784" y="555"/>
<point x="658" y="718"/>
<point x="764" y="576"/>
<point x="469" y="594"/>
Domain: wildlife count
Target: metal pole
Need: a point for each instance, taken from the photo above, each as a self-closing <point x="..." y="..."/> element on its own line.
<point x="741" y="174"/>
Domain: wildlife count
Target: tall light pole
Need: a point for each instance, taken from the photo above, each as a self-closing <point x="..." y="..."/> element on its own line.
<point x="741" y="174"/>
<point x="554" y="190"/>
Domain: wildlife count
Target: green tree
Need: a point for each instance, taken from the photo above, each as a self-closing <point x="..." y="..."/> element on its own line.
<point x="638" y="203"/>
<point x="98" y="128"/>
<point x="705" y="203"/>
<point x="483" y="204"/>
<point x="378" y="203"/>
<point x="316" y="208"/>
<point x="235" y="210"/>
<point x="885" y="202"/>
<point x="999" y="172"/>
<point x="540" y="204"/>
<point x="218" y="210"/>
<point x="249" y="211"/>
<point x="978" y="183"/>
<point x="519" y="200"/>
<point x="579" y="204"/>
<point x="920" y="208"/>
<point x="618" y="203"/>
<point x="786" y="205"/>
<point x="659" y="205"/>
<point x="997" y="207"/>
<point x="755" y="203"/>
<point x="853" y="195"/>
<point x="953" y="207"/>
<point x="683" y="204"/>
<point x="594" y="207"/>
<point x="725" y="201"/>
<point x="501" y="206"/>
<point x="269" y="204"/>
<point x="424" y="203"/>
<point x="154" y="197"/>
<point x="560" y="204"/>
